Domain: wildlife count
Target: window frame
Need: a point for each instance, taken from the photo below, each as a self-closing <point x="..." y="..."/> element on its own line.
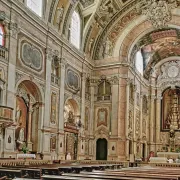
<point x="71" y="38"/>
<point x="2" y="35"/>
<point x="35" y="12"/>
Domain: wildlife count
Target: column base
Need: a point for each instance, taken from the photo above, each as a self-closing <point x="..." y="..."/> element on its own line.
<point x="29" y="146"/>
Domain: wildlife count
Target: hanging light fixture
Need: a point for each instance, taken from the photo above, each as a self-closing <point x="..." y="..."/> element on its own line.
<point x="158" y="12"/>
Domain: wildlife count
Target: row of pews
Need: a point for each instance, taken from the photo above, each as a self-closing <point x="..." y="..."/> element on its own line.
<point x="52" y="170"/>
<point x="90" y="172"/>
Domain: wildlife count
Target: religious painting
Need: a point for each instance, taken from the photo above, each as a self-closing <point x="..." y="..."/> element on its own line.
<point x="53" y="107"/>
<point x="170" y="109"/>
<point x="31" y="55"/>
<point x="102" y="116"/>
<point x="21" y="119"/>
<point x="73" y="80"/>
<point x="53" y="143"/>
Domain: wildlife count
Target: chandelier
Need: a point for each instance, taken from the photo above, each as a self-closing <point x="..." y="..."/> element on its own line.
<point x="158" y="12"/>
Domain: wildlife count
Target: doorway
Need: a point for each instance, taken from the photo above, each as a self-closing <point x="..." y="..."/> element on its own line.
<point x="143" y="151"/>
<point x="101" y="149"/>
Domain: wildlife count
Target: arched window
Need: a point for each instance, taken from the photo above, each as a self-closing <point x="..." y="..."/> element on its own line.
<point x="1" y="35"/>
<point x="139" y="62"/>
<point x="75" y="29"/>
<point x="36" y="6"/>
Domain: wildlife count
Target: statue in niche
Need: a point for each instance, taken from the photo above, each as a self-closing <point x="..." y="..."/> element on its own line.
<point x="70" y="117"/>
<point x="107" y="48"/>
<point x="18" y="113"/>
<point x="60" y="13"/>
<point x="9" y="139"/>
<point x="20" y="136"/>
<point x="90" y="47"/>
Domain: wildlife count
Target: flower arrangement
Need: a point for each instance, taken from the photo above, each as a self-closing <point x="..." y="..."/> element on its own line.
<point x="25" y="149"/>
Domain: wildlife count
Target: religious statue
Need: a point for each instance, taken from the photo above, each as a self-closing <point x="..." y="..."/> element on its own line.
<point x="18" y="113"/>
<point x="107" y="48"/>
<point x="91" y="42"/>
<point x="71" y="117"/>
<point x="60" y="12"/>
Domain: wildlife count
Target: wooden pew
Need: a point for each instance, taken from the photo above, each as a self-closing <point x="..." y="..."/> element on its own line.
<point x="132" y="175"/>
<point x="10" y="173"/>
<point x="31" y="173"/>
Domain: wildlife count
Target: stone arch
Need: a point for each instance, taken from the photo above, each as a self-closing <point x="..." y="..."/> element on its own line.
<point x="28" y="115"/>
<point x="71" y="105"/>
<point x="39" y="88"/>
<point x="134" y="32"/>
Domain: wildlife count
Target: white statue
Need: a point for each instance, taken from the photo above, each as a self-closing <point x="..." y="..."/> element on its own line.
<point x="107" y="48"/>
<point x="68" y="157"/>
<point x="18" y="113"/>
<point x="60" y="12"/>
<point x="91" y="42"/>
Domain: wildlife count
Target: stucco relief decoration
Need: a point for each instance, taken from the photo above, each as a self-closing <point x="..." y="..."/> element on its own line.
<point x="131" y="93"/>
<point x="73" y="80"/>
<point x="86" y="3"/>
<point x="106" y="11"/>
<point x="137" y="122"/>
<point x="31" y="56"/>
<point x="53" y="108"/>
<point x="145" y="105"/>
<point x="130" y="131"/>
<point x="168" y="70"/>
<point x="158" y="12"/>
<point x="86" y="124"/>
<point x="102" y="116"/>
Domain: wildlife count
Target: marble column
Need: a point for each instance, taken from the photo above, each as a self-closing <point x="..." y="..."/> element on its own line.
<point x="114" y="108"/>
<point x="92" y="89"/>
<point x="83" y="98"/>
<point x="61" y="144"/>
<point x="61" y="95"/>
<point x="11" y="79"/>
<point x="49" y="57"/>
<point x="30" y="127"/>
<point x="127" y="122"/>
<point x="151" y="123"/>
<point x="158" y="116"/>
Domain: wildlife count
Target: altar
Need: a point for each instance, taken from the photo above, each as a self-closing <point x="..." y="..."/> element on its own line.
<point x="26" y="156"/>
<point x="168" y="155"/>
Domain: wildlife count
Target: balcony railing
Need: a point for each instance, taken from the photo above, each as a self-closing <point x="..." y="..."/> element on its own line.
<point x="3" y="53"/>
<point x="6" y="114"/>
<point x="54" y="79"/>
<point x="104" y="98"/>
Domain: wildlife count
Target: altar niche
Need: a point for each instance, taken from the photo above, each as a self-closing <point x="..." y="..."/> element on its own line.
<point x="27" y="117"/>
<point x="170" y="107"/>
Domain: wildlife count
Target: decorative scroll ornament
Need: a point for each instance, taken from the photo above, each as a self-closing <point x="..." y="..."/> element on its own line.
<point x="158" y="12"/>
